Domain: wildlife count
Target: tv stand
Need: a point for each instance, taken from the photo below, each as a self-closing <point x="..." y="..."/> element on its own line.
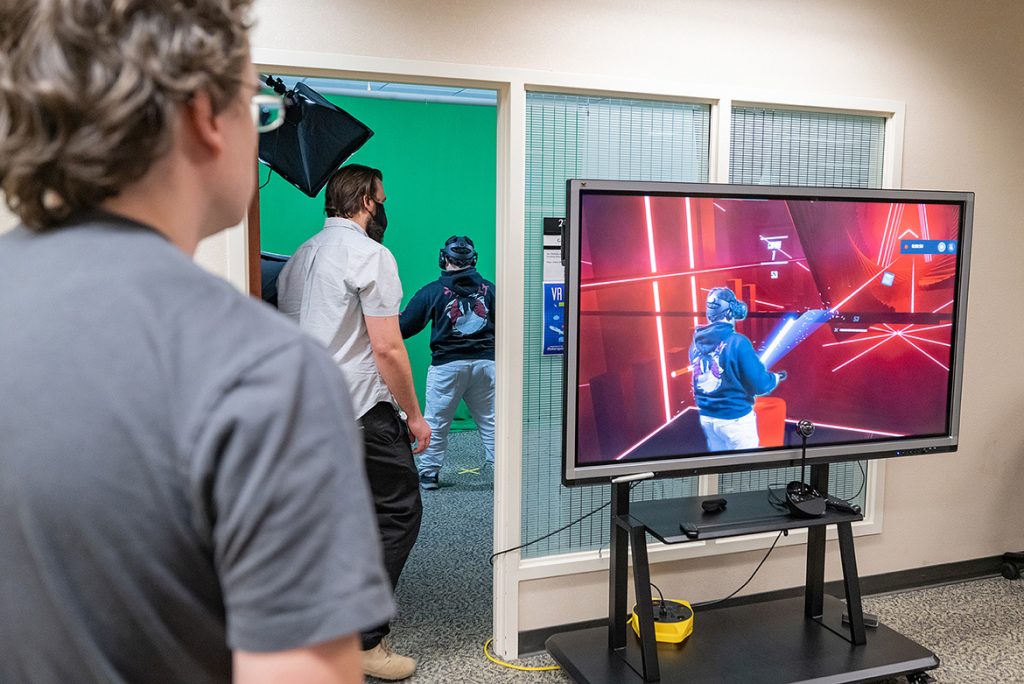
<point x="1013" y="561"/>
<point x="774" y="641"/>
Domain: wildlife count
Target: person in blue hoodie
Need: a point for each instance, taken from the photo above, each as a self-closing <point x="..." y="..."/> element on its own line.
<point x="728" y="375"/>
<point x="459" y="306"/>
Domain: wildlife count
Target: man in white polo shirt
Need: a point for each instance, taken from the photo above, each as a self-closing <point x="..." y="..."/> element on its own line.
<point x="342" y="288"/>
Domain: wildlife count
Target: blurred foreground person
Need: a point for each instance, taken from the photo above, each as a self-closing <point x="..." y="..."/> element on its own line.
<point x="182" y="491"/>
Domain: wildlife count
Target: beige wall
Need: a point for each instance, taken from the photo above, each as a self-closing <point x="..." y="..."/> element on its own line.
<point x="959" y="69"/>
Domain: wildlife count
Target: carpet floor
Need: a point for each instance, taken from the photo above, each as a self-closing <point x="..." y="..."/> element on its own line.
<point x="976" y="628"/>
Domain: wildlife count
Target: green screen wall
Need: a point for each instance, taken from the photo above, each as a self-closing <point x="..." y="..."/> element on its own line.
<point x="439" y="165"/>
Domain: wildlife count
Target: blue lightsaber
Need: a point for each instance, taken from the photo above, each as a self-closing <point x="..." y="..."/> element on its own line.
<point x="792" y="332"/>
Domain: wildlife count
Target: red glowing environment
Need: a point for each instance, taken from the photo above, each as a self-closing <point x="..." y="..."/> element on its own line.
<point x="863" y="330"/>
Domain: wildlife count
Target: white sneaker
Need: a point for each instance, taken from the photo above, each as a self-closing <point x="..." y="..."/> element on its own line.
<point x="383" y="663"/>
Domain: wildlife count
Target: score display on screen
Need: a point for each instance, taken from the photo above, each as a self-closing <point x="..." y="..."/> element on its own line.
<point x="709" y="320"/>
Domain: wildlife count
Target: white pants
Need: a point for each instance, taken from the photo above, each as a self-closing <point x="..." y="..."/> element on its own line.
<point x="447" y="385"/>
<point x="726" y="434"/>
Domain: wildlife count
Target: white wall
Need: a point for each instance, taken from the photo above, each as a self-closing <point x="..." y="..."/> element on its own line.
<point x="7" y="219"/>
<point x="958" y="67"/>
<point x="225" y="255"/>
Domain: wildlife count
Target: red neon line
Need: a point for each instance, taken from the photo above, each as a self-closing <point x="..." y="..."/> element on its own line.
<point x="689" y="233"/>
<point x="661" y="350"/>
<point x="893" y="227"/>
<point x="895" y="243"/>
<point x="850" y="429"/>
<point x="852" y="294"/>
<point x="934" y="327"/>
<point x="925" y="339"/>
<point x="657" y="308"/>
<point x="913" y="283"/>
<point x="889" y="236"/>
<point x="777" y="306"/>
<point x="664" y="368"/>
<point x="846" y="363"/>
<point x="798" y="263"/>
<point x="896" y="222"/>
<point x="859" y="339"/>
<point x="650" y="234"/>
<point x="925" y="233"/>
<point x="693" y="294"/>
<point x="942" y="365"/>
<point x="663" y="276"/>
<point x="693" y="262"/>
<point x="885" y="236"/>
<point x="631" y="449"/>
<point x="943" y="306"/>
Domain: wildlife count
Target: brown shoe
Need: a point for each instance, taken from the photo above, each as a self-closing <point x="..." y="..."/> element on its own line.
<point x="383" y="663"/>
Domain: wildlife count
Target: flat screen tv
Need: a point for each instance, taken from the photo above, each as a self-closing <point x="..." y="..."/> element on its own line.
<point x="704" y="321"/>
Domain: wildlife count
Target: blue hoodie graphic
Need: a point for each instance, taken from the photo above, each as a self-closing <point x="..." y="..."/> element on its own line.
<point x="727" y="373"/>
<point x="459" y="306"/>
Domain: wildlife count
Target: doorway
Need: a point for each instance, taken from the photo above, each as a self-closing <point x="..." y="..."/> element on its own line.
<point x="436" y="147"/>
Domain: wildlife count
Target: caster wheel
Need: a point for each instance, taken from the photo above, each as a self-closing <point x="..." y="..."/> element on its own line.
<point x="1011" y="571"/>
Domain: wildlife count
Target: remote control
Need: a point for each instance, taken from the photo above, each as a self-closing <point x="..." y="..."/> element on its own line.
<point x="689" y="529"/>
<point x="713" y="505"/>
<point x="843" y="505"/>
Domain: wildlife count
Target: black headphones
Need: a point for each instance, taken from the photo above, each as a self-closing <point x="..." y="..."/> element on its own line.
<point x="724" y="304"/>
<point x="457" y="251"/>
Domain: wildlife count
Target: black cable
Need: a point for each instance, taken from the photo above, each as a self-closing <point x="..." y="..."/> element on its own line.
<point x="661" y="599"/>
<point x="775" y="501"/>
<point x="772" y="548"/>
<point x="269" y="172"/>
<point x="863" y="481"/>
<point x="563" y="528"/>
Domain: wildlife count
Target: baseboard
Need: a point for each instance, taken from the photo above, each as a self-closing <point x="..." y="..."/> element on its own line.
<point x="532" y="641"/>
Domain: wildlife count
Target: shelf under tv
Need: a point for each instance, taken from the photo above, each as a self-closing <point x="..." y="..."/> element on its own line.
<point x="774" y="641"/>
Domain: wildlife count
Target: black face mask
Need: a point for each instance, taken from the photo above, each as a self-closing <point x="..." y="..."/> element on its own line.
<point x="378" y="224"/>
<point x="380" y="218"/>
<point x="375" y="232"/>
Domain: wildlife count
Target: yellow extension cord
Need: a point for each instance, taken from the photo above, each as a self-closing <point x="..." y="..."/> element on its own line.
<point x="487" y="653"/>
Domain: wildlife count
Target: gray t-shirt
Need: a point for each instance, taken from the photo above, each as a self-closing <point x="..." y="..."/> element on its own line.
<point x="180" y="470"/>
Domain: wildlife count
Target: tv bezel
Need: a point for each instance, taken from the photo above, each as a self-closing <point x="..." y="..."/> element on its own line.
<point x="777" y="457"/>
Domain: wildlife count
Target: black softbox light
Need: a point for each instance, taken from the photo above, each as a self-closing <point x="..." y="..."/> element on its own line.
<point x="315" y="139"/>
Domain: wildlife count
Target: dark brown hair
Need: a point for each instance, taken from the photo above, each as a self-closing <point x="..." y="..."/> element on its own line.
<point x="347" y="187"/>
<point x="88" y="89"/>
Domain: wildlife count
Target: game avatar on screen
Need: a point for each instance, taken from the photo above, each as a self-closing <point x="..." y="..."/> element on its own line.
<point x="710" y="324"/>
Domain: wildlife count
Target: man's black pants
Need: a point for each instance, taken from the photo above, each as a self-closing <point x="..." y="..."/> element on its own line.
<point x="394" y="483"/>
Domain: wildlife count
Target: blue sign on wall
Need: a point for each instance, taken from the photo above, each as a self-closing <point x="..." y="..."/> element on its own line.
<point x="554" y="318"/>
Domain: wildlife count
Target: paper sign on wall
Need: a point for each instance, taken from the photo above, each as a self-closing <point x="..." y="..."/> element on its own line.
<point x="554" y="287"/>
<point x="554" y="318"/>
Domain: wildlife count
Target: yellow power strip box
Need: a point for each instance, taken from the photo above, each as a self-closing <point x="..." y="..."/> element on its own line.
<point x="673" y="621"/>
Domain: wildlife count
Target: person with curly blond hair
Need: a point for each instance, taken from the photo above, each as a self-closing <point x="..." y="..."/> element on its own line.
<point x="182" y="489"/>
